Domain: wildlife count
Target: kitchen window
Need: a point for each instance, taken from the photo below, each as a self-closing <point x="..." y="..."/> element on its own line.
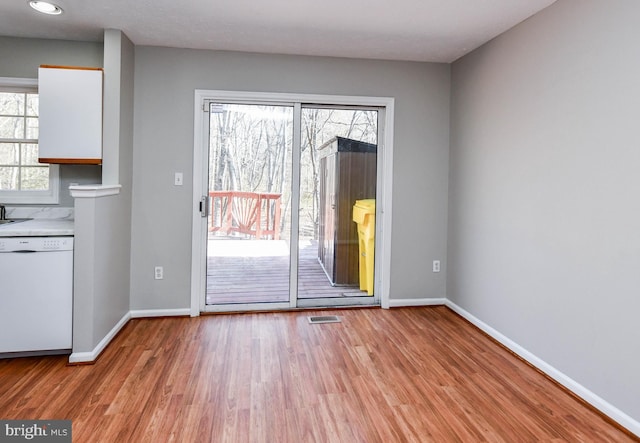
<point x="22" y="178"/>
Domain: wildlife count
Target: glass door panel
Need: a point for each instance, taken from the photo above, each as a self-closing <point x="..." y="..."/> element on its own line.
<point x="338" y="162"/>
<point x="249" y="221"/>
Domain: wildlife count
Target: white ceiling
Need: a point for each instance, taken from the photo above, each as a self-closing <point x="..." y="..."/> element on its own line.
<point x="419" y="30"/>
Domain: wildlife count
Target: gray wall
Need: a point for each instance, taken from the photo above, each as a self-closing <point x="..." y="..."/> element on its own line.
<point x="100" y="300"/>
<point x="164" y="97"/>
<point x="103" y="225"/>
<point x="115" y="223"/>
<point x="544" y="218"/>
<point x="76" y="174"/>
<point x="21" y="57"/>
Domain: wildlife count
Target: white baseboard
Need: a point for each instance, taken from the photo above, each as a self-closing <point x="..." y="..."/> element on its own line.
<point x="398" y="303"/>
<point x="143" y="313"/>
<point x="90" y="357"/>
<point x="602" y="405"/>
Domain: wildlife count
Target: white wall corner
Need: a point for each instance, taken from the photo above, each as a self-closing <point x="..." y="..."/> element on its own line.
<point x="90" y="357"/>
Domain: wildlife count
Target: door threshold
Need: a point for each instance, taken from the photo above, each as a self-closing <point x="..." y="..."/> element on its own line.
<point x="266" y="310"/>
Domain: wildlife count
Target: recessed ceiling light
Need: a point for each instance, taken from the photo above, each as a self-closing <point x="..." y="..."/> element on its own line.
<point x="46" y="7"/>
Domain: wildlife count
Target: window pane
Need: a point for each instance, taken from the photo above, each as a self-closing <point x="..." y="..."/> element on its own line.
<point x="11" y="127"/>
<point x="11" y="103"/>
<point x="32" y="105"/>
<point x="30" y="154"/>
<point x="8" y="178"/>
<point x="9" y="154"/>
<point x="35" y="178"/>
<point x="32" y="128"/>
<point x="19" y="167"/>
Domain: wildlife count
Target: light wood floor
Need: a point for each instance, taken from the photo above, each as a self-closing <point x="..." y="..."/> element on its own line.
<point x="400" y="375"/>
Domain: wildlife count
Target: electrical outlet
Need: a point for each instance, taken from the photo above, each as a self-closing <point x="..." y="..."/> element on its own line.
<point x="159" y="272"/>
<point x="178" y="179"/>
<point x="436" y="266"/>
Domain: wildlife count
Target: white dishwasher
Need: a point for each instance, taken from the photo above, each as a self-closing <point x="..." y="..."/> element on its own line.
<point x="36" y="295"/>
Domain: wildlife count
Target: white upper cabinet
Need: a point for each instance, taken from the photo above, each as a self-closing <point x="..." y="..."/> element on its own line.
<point x="70" y="118"/>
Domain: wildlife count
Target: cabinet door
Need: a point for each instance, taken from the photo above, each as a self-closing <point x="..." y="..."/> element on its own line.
<point x="70" y="115"/>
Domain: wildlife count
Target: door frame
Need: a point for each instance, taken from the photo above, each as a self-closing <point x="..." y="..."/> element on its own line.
<point x="382" y="271"/>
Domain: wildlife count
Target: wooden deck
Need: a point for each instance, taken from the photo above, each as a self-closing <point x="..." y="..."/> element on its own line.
<point x="257" y="271"/>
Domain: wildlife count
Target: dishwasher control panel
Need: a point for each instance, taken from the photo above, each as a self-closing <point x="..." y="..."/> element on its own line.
<point x="54" y="243"/>
<point x="35" y="244"/>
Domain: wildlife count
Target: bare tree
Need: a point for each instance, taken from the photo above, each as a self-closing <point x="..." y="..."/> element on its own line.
<point x="253" y="146"/>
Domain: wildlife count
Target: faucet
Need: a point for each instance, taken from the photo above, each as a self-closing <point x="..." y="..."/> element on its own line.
<point x="3" y="212"/>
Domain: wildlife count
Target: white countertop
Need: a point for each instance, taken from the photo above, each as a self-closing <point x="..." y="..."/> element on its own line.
<point x="38" y="227"/>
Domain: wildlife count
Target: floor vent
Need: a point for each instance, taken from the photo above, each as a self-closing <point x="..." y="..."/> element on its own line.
<point x="324" y="319"/>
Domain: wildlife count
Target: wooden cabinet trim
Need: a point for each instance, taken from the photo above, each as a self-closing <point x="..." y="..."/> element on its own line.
<point x="71" y="161"/>
<point x="81" y="68"/>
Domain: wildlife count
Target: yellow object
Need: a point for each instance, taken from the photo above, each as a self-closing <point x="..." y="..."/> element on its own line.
<point x="364" y="214"/>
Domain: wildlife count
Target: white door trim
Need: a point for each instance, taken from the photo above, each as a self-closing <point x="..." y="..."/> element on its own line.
<point x="295" y="205"/>
<point x="384" y="190"/>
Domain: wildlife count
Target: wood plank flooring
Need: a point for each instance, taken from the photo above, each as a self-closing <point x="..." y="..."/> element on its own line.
<point x="400" y="375"/>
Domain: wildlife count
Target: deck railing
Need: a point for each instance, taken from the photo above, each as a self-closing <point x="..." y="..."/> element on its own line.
<point x="256" y="214"/>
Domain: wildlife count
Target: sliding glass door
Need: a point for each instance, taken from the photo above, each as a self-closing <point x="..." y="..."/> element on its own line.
<point x="289" y="205"/>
